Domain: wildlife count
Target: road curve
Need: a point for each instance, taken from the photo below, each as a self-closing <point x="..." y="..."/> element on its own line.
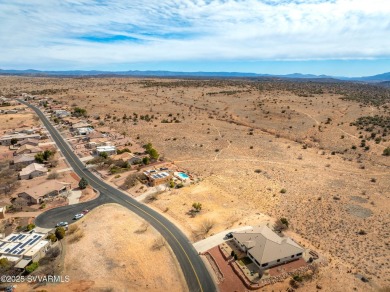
<point x="194" y="270"/>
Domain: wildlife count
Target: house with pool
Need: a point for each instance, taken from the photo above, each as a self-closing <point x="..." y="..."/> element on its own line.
<point x="156" y="177"/>
<point x="181" y="176"/>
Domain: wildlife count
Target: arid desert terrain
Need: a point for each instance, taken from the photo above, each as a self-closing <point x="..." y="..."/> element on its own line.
<point x="311" y="152"/>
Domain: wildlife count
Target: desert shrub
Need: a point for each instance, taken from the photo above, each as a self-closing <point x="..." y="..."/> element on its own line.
<point x="53" y="175"/>
<point x="197" y="206"/>
<point x="72" y="229"/>
<point x="52" y="237"/>
<point x="158" y="243"/>
<point x="5" y="264"/>
<point x="132" y="180"/>
<point x="120" y="151"/>
<point x="207" y="225"/>
<point x="283" y="191"/>
<point x="78" y="112"/>
<point x="60" y="232"/>
<point x="77" y="235"/>
<point x="31" y="268"/>
<point x="144" y="226"/>
<point x="103" y="155"/>
<point x="281" y="225"/>
<point x="386" y="152"/>
<point x="284" y="221"/>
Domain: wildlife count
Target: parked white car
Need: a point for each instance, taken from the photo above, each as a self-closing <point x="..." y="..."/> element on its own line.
<point x="62" y="224"/>
<point x="78" y="216"/>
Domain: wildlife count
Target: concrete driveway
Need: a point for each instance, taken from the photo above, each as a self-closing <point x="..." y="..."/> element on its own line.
<point x="217" y="239"/>
<point x="74" y="197"/>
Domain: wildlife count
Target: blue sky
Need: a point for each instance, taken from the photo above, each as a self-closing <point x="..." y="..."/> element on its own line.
<point x="333" y="37"/>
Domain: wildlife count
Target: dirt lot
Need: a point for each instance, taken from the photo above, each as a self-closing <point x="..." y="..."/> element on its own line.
<point x="116" y="253"/>
<point x="19" y="120"/>
<point x="247" y="141"/>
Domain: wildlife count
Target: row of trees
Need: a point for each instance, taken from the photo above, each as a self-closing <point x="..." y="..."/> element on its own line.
<point x="153" y="154"/>
<point x="41" y="157"/>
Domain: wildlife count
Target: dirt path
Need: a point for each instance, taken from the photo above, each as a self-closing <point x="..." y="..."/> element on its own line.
<point x="228" y="146"/>
<point x="308" y="115"/>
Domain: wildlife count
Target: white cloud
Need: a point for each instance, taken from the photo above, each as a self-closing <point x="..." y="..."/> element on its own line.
<point x="51" y="32"/>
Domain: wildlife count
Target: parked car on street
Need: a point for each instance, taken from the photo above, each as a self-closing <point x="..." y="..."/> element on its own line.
<point x="85" y="212"/>
<point x="61" y="224"/>
<point x="78" y="216"/>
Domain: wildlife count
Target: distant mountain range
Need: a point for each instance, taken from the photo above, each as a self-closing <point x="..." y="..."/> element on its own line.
<point x="79" y="73"/>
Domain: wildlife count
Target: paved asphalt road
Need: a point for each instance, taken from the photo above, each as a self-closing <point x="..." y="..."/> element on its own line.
<point x="194" y="270"/>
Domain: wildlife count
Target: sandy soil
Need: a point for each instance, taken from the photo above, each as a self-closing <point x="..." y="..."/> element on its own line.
<point x="120" y="260"/>
<point x="247" y="144"/>
<point x="19" y="120"/>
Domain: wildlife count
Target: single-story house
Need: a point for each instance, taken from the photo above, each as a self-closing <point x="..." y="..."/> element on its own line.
<point x="110" y="150"/>
<point x="24" y="247"/>
<point x="61" y="113"/>
<point x="29" y="141"/>
<point x="11" y="111"/>
<point x="267" y="249"/>
<point x="95" y="142"/>
<point x="82" y="124"/>
<point x="23" y="160"/>
<point x="25" y="149"/>
<point x="25" y="130"/>
<point x="129" y="157"/>
<point x="49" y="188"/>
<point x="157" y="177"/>
<point x="32" y="170"/>
<point x="6" y="139"/>
<point x="84" y="130"/>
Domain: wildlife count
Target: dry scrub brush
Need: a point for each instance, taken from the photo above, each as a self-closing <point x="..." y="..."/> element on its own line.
<point x="144" y="226"/>
<point x="72" y="229"/>
<point x="204" y="228"/>
<point x="158" y="243"/>
<point x="76" y="236"/>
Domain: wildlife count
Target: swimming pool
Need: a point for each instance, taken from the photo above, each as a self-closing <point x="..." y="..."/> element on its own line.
<point x="182" y="175"/>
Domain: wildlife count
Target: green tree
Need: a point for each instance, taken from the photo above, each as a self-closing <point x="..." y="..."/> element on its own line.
<point x="52" y="237"/>
<point x="30" y="226"/>
<point x="386" y="152"/>
<point x="4" y="264"/>
<point x="60" y="232"/>
<point x="78" y="112"/>
<point x="146" y="160"/>
<point x="103" y="154"/>
<point x="153" y="153"/>
<point x="39" y="157"/>
<point x="171" y="184"/>
<point x="14" y="141"/>
<point x="31" y="268"/>
<point x="284" y="221"/>
<point x="83" y="183"/>
<point x="148" y="147"/>
<point x="47" y="154"/>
